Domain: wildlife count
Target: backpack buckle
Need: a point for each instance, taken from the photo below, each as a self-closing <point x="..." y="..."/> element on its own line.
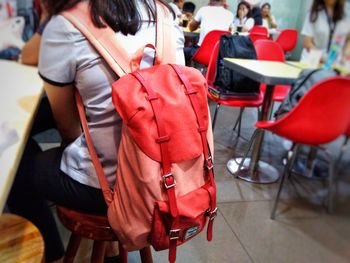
<point x="174" y="234"/>
<point x="209" y="163"/>
<point x="169" y="177"/>
<point x="213" y="214"/>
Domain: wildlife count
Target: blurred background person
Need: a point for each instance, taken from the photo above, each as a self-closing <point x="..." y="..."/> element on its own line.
<point x="214" y="16"/>
<point x="269" y="20"/>
<point x="243" y="21"/>
<point x="324" y="23"/>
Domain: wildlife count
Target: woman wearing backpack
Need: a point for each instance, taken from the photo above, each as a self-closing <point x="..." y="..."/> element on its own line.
<point x="324" y="24"/>
<point x="66" y="175"/>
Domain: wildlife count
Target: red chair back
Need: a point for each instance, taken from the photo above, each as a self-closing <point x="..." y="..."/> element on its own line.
<point x="268" y="50"/>
<point x="203" y="54"/>
<point x="210" y="75"/>
<point x="288" y="39"/>
<point x="258" y="32"/>
<point x="321" y="115"/>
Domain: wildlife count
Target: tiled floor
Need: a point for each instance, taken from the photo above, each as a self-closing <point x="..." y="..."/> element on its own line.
<point x="302" y="232"/>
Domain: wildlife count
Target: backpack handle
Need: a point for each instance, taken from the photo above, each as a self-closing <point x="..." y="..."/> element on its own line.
<point x="137" y="57"/>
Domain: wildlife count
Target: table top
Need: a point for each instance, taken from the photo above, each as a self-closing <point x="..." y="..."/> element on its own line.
<point x="21" y="92"/>
<point x="269" y="72"/>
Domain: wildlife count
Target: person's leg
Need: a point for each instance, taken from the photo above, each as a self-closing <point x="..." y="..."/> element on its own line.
<point x="189" y="52"/>
<point x="26" y="201"/>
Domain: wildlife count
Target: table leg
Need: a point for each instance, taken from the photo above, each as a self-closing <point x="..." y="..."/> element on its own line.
<point x="251" y="169"/>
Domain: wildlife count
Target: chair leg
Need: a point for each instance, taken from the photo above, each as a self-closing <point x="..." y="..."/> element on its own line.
<point x="215" y="115"/>
<point x="239" y="122"/>
<point x="123" y="253"/>
<point x="98" y="251"/>
<point x="246" y="153"/>
<point x="73" y="245"/>
<point x="286" y="172"/>
<point x="146" y="255"/>
<point x="331" y="175"/>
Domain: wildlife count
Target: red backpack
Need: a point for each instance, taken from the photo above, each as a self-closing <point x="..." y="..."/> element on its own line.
<point x="165" y="190"/>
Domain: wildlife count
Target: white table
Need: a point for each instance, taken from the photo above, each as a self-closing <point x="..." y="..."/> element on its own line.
<point x="21" y="90"/>
<point x="272" y="73"/>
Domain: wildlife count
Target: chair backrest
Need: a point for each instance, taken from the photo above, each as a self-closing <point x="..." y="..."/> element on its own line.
<point x="321" y="115"/>
<point x="268" y="50"/>
<point x="210" y="75"/>
<point x="203" y="54"/>
<point x="258" y="32"/>
<point x="288" y="39"/>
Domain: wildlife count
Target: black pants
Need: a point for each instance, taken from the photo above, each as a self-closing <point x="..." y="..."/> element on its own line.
<point x="39" y="179"/>
<point x="189" y="52"/>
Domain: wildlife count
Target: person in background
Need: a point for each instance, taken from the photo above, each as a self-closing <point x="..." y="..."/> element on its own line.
<point x="188" y="10"/>
<point x="214" y="16"/>
<point x="324" y="23"/>
<point x="177" y="5"/>
<point x="256" y="11"/>
<point x="30" y="51"/>
<point x="65" y="175"/>
<point x="269" y="20"/>
<point x="243" y="21"/>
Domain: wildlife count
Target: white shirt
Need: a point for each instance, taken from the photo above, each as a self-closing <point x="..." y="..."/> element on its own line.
<point x="247" y="22"/>
<point x="175" y="8"/>
<point x="319" y="30"/>
<point x="67" y="57"/>
<point x="213" y="18"/>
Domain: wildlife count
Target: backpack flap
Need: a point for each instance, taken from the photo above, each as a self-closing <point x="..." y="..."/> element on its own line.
<point x="132" y="103"/>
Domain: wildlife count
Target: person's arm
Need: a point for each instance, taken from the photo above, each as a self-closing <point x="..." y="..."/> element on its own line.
<point x="30" y="51"/>
<point x="62" y="102"/>
<point x="272" y="21"/>
<point x="308" y="42"/>
<point x="194" y="25"/>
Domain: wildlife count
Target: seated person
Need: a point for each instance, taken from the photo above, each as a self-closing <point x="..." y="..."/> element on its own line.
<point x="188" y="10"/>
<point x="269" y="20"/>
<point x="243" y="21"/>
<point x="214" y="16"/>
<point x="256" y="11"/>
<point x="176" y="6"/>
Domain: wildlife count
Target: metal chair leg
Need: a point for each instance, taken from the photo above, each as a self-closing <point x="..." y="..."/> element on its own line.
<point x="331" y="185"/>
<point x="286" y="172"/>
<point x="239" y="122"/>
<point x="215" y="115"/>
<point x="246" y="153"/>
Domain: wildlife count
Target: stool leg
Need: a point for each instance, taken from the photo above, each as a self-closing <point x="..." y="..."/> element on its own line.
<point x="73" y="245"/>
<point x="98" y="252"/>
<point x="146" y="255"/>
<point x="123" y="254"/>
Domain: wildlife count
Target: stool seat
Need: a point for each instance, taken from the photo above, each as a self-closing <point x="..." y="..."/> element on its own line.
<point x="93" y="227"/>
<point x="20" y="240"/>
<point x="89" y="226"/>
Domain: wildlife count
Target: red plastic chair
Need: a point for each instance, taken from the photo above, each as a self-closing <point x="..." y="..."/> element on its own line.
<point x="258" y="32"/>
<point x="288" y="39"/>
<point x="241" y="103"/>
<point x="202" y="56"/>
<point x="322" y="115"/>
<point x="270" y="50"/>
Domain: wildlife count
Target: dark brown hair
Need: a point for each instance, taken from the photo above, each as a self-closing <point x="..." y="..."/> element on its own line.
<point x="319" y="5"/>
<point x="121" y="15"/>
<point x="245" y="3"/>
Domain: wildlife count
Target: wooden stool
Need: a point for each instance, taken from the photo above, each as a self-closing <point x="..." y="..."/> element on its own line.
<point x="96" y="228"/>
<point x="20" y="240"/>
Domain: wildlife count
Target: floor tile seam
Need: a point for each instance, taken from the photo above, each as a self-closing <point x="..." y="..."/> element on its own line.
<point x="234" y="233"/>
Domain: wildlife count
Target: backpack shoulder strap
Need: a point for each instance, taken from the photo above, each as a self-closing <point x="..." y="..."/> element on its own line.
<point x="106" y="41"/>
<point x="103" y="39"/>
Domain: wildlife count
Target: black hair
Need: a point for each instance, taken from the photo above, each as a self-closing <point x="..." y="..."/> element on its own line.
<point x="121" y="15"/>
<point x="245" y="3"/>
<point x="266" y="4"/>
<point x="189" y="7"/>
<point x="318" y="5"/>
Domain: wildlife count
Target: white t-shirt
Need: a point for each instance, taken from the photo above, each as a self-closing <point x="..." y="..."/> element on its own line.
<point x="247" y="22"/>
<point x="319" y="30"/>
<point x="67" y="57"/>
<point x="213" y="18"/>
<point x="175" y="8"/>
